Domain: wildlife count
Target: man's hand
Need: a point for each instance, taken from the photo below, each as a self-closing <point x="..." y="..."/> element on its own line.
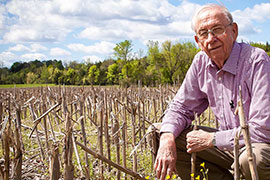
<point x="199" y="140"/>
<point x="166" y="156"/>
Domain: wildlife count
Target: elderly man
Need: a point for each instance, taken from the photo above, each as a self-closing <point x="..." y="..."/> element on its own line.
<point x="213" y="80"/>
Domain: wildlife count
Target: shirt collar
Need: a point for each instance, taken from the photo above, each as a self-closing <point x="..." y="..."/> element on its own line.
<point x="231" y="63"/>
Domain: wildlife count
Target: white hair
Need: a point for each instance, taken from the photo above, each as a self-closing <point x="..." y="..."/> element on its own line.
<point x="223" y="9"/>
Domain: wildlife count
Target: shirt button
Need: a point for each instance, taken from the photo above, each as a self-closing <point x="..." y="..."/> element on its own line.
<point x="219" y="78"/>
<point x="221" y="116"/>
<point x="220" y="97"/>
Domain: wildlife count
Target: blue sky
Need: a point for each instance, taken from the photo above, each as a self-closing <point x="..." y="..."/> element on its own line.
<point x="88" y="30"/>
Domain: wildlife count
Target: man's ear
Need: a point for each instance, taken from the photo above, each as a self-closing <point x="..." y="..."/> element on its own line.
<point x="198" y="42"/>
<point x="235" y="30"/>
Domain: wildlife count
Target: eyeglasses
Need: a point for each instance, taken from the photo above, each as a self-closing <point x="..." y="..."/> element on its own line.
<point x="216" y="31"/>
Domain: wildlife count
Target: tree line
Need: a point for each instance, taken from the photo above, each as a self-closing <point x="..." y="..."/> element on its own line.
<point x="165" y="63"/>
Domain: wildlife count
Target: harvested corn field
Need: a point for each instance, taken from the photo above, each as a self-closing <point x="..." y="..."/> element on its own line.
<point x="80" y="132"/>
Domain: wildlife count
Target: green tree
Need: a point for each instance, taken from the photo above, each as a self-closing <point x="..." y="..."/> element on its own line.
<point x="16" y="67"/>
<point x="70" y="76"/>
<point x="45" y="75"/>
<point x="132" y="72"/>
<point x="189" y="50"/>
<point x="177" y="59"/>
<point x="54" y="63"/>
<point x="55" y="75"/>
<point x="19" y="77"/>
<point x="31" y="78"/>
<point x="103" y="67"/>
<point x="125" y="74"/>
<point x="265" y="47"/>
<point x="155" y="60"/>
<point x="93" y="74"/>
<point x="113" y="74"/>
<point x="123" y="50"/>
<point x="169" y="63"/>
<point x="4" y="76"/>
<point x="79" y="73"/>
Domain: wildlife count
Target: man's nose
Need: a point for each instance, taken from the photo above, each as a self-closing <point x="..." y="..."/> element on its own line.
<point x="211" y="37"/>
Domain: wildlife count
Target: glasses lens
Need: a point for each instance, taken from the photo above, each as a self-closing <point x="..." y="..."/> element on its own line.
<point x="203" y="34"/>
<point x="218" y="30"/>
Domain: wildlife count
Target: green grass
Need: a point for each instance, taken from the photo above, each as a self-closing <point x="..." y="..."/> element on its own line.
<point x="24" y="85"/>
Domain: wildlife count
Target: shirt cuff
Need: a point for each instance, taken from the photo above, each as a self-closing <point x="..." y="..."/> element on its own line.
<point x="170" y="128"/>
<point x="223" y="140"/>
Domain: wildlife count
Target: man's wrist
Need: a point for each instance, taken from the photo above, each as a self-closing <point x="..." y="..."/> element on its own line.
<point x="166" y="135"/>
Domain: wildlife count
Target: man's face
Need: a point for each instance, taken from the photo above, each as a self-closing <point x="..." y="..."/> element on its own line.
<point x="218" y="48"/>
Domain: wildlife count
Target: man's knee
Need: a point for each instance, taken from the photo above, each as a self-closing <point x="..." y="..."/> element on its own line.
<point x="152" y="137"/>
<point x="152" y="130"/>
<point x="261" y="158"/>
<point x="154" y="127"/>
<point x="243" y="162"/>
<point x="257" y="157"/>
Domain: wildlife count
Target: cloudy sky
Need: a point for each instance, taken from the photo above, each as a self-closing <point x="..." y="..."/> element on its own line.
<point x="89" y="29"/>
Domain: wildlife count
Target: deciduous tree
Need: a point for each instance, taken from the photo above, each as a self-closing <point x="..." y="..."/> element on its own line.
<point x="123" y="50"/>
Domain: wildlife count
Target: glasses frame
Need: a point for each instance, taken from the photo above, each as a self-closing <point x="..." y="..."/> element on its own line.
<point x="211" y="31"/>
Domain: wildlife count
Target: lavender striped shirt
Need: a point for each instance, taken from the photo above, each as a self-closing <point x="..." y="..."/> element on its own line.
<point x="205" y="85"/>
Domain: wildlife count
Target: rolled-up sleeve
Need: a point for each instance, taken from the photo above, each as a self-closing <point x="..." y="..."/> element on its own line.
<point x="188" y="100"/>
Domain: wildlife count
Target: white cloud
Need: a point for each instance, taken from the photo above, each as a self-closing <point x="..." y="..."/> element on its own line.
<point x="30" y="23"/>
<point x="260" y="12"/>
<point x="91" y="59"/>
<point x="101" y="33"/>
<point x="8" y="58"/>
<point x="246" y="26"/>
<point x="37" y="21"/>
<point x="242" y="38"/>
<point x="154" y="20"/>
<point x="34" y="21"/>
<point x="134" y="30"/>
<point x="247" y="18"/>
<point x="22" y="34"/>
<point x="32" y="48"/>
<point x="37" y="47"/>
<point x="17" y="34"/>
<point x="2" y="17"/>
<point x="111" y="9"/>
<point x="18" y="48"/>
<point x="103" y="48"/>
<point x="106" y="20"/>
<point x="40" y="21"/>
<point x="59" y="52"/>
<point x="33" y="56"/>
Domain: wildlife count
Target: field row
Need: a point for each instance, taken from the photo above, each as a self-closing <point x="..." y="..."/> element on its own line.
<point x="80" y="132"/>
